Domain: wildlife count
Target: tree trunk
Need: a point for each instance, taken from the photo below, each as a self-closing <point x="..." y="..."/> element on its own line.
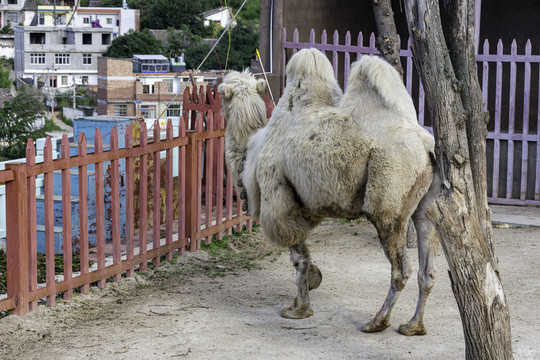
<point x="457" y="212"/>
<point x="463" y="55"/>
<point x="387" y="39"/>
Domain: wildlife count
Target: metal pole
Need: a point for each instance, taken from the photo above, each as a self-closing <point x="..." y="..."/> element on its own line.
<point x="74" y="107"/>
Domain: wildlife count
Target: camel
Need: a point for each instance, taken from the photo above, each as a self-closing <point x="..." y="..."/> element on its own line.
<point x="325" y="154"/>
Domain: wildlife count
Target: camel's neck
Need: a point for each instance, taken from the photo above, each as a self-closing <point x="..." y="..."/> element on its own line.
<point x="243" y="122"/>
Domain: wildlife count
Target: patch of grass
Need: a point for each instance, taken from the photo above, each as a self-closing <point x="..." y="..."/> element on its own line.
<point x="65" y="120"/>
<point x="233" y="253"/>
<point x="41" y="270"/>
<point x="50" y="126"/>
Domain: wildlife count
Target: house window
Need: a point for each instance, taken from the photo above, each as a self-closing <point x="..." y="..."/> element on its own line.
<point x="87" y="59"/>
<point x="12" y="2"/>
<point x="85" y="80"/>
<point x="37" y="58"/>
<point x="61" y="20"/>
<point x="41" y="18"/>
<point x="148" y="89"/>
<point x="87" y="39"/>
<point x="64" y="80"/>
<point x="120" y="110"/>
<point x="148" y="111"/>
<point x="86" y="20"/>
<point x="37" y="38"/>
<point x="174" y="110"/>
<point x="106" y="39"/>
<point x="13" y="18"/>
<point x="62" y="59"/>
<point x="169" y="85"/>
<point x="109" y="21"/>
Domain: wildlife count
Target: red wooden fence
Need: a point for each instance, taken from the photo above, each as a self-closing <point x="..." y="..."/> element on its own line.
<point x="221" y="211"/>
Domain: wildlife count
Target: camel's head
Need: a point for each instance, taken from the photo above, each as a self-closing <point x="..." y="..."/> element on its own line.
<point x="240" y="84"/>
<point x="243" y="105"/>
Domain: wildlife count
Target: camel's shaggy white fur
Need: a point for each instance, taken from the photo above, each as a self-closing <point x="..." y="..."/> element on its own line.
<point x="242" y="101"/>
<point x="329" y="154"/>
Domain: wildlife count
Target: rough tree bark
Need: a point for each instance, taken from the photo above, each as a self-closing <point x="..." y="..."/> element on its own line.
<point x="460" y="213"/>
<point x="387" y="43"/>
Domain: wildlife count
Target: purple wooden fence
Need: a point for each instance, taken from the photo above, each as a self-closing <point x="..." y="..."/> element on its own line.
<point x="511" y="89"/>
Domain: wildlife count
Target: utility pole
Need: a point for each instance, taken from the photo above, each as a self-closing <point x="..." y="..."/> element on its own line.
<point x="74" y="107"/>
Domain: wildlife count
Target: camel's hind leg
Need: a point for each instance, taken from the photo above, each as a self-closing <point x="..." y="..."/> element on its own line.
<point x="427" y="243"/>
<point x="394" y="245"/>
<point x="308" y="277"/>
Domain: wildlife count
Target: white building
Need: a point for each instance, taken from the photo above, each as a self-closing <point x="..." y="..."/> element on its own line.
<point x="56" y="57"/>
<point x="119" y="19"/>
<point x="221" y="16"/>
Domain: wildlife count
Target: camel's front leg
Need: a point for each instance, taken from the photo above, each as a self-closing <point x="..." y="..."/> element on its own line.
<point x="308" y="277"/>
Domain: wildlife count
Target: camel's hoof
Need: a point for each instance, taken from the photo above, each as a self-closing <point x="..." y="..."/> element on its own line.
<point x="295" y="313"/>
<point x="372" y="327"/>
<point x="411" y="330"/>
<point x="314" y="277"/>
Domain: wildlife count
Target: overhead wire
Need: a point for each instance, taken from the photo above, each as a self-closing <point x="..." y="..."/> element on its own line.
<point x="205" y="58"/>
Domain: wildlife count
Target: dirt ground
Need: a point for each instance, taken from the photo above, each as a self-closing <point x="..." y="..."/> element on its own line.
<point x="168" y="314"/>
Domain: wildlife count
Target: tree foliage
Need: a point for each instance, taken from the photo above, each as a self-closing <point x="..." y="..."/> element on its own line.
<point x="143" y="42"/>
<point x="5" y="80"/>
<point x="162" y="14"/>
<point x="187" y="33"/>
<point x="16" y="119"/>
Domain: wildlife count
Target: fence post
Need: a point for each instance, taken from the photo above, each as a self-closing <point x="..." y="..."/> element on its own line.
<point x="17" y="239"/>
<point x="192" y="163"/>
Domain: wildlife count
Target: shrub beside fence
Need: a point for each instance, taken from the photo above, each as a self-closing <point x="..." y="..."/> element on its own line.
<point x="194" y="218"/>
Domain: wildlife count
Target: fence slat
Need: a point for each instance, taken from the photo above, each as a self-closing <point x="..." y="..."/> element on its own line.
<point x="156" y="226"/>
<point x="295" y="39"/>
<point x="100" y="207"/>
<point x="511" y="120"/>
<point x="525" y="144"/>
<point x="143" y="197"/>
<point x="129" y="200"/>
<point x="83" y="212"/>
<point x="32" y="215"/>
<point x="66" y="220"/>
<point x="485" y="76"/>
<point x="115" y="204"/>
<point x="169" y="191"/>
<point x="409" y="72"/>
<point x="198" y="188"/>
<point x="49" y="222"/>
<point x="191" y="191"/>
<point x="497" y="124"/>
<point x="182" y="170"/>
<point x="209" y="169"/>
<point x="347" y="61"/>
<point x="359" y="45"/>
<point x="220" y="144"/>
<point x="16" y="241"/>
<point x="335" y="63"/>
<point x="537" y="182"/>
